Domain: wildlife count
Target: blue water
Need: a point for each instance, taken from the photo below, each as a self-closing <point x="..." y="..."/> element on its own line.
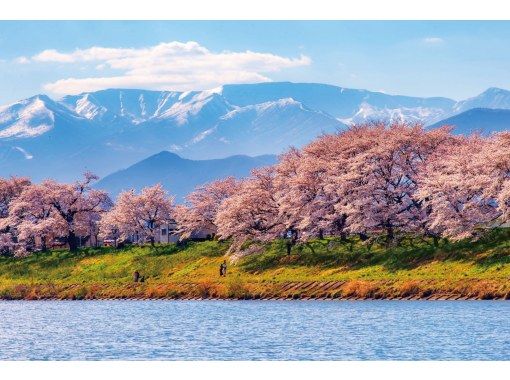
<point x="254" y="330"/>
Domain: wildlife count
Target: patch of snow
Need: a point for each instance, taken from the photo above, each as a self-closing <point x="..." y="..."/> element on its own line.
<point x="264" y="107"/>
<point x="27" y="155"/>
<point x="368" y="112"/>
<point x="182" y="111"/>
<point x="28" y="118"/>
<point x="184" y="95"/>
<point x="143" y="109"/>
<point x="162" y="104"/>
<point x="175" y="148"/>
<point x="202" y="135"/>
<point x="89" y="110"/>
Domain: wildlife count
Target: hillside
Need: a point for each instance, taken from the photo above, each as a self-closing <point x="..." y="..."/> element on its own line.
<point x="179" y="176"/>
<point x="321" y="269"/>
<point x="483" y="120"/>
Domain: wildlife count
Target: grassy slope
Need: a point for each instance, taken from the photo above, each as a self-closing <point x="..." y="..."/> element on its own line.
<point x="480" y="269"/>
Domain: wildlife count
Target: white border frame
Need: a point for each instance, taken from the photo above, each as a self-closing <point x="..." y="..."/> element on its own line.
<point x="255" y="10"/>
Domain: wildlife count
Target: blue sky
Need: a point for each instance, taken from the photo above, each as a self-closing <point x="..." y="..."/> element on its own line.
<point x="453" y="59"/>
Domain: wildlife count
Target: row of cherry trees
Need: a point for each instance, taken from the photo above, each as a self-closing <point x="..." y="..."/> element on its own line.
<point x="372" y="181"/>
<point x="35" y="216"/>
<point x="48" y="211"/>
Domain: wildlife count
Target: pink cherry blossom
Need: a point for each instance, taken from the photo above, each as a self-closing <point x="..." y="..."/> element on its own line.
<point x="202" y="206"/>
<point x="139" y="214"/>
<point x="252" y="212"/>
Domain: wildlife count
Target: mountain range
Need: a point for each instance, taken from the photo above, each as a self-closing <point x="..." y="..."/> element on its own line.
<point x="109" y="130"/>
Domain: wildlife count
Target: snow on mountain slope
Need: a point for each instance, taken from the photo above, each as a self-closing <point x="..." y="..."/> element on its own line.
<point x="138" y="106"/>
<point x="367" y="113"/>
<point x="134" y="106"/>
<point x="191" y="106"/>
<point x="28" y="118"/>
<point x="342" y="103"/>
<point x="106" y="130"/>
<point x="261" y="129"/>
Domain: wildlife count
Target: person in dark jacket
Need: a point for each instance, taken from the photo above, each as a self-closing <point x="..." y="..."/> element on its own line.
<point x="223" y="268"/>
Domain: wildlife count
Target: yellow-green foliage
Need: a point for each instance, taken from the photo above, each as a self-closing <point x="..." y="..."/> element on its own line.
<point x="414" y="268"/>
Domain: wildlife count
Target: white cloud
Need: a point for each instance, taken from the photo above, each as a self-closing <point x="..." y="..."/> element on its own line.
<point x="22" y="60"/>
<point x="433" y="40"/>
<point x="172" y="65"/>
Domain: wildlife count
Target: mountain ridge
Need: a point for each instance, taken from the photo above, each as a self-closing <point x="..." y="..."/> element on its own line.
<point x="478" y="120"/>
<point x="179" y="175"/>
<point x="106" y="130"/>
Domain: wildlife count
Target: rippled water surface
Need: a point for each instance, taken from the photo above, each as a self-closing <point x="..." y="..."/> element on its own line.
<point x="254" y="330"/>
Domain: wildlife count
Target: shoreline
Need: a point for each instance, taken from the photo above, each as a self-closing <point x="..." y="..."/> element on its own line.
<point x="297" y="291"/>
<point x="438" y="298"/>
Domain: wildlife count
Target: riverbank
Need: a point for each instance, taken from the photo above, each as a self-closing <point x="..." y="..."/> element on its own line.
<point x="323" y="269"/>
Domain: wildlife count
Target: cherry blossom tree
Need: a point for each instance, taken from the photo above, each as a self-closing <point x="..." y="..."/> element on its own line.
<point x="305" y="205"/>
<point x="34" y="217"/>
<point x="493" y="166"/>
<point x="376" y="174"/>
<point x="202" y="205"/>
<point x="74" y="205"/>
<point x="139" y="214"/>
<point x="456" y="186"/>
<point x="252" y="212"/>
<point x="6" y="243"/>
<point x="10" y="188"/>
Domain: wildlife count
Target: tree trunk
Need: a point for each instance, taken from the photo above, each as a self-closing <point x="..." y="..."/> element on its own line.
<point x="390" y="235"/>
<point x="72" y="241"/>
<point x="44" y="248"/>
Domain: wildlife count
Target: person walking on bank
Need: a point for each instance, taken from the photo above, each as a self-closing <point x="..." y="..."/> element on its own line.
<point x="223" y="268"/>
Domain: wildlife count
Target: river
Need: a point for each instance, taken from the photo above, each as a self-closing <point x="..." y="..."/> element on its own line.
<point x="254" y="330"/>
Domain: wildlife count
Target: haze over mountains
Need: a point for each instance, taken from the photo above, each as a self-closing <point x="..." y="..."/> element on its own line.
<point x="109" y="130"/>
<point x="179" y="175"/>
<point x="484" y="120"/>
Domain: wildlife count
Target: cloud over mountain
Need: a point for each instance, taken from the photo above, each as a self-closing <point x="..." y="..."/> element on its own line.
<point x="178" y="65"/>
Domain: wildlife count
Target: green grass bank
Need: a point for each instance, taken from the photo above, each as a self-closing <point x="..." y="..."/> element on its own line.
<point x="321" y="269"/>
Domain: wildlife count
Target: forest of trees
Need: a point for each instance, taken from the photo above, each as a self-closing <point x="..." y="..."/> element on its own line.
<point x="375" y="181"/>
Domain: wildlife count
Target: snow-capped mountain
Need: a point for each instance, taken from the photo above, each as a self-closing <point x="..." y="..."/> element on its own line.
<point x="265" y="128"/>
<point x="419" y="114"/>
<point x="31" y="117"/>
<point x="108" y="130"/>
<point x="341" y="103"/>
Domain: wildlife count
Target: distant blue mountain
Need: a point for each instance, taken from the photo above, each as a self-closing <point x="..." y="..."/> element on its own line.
<point x="483" y="120"/>
<point x="178" y="175"/>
